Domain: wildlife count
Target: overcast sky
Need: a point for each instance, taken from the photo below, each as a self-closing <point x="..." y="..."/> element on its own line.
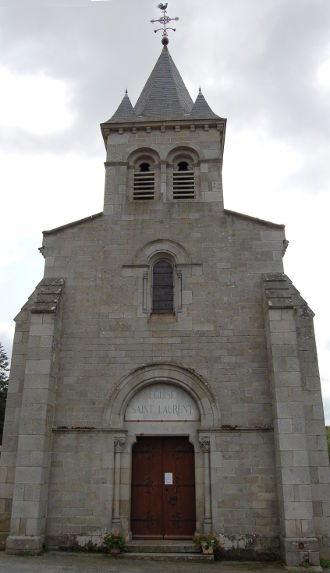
<point x="263" y="64"/>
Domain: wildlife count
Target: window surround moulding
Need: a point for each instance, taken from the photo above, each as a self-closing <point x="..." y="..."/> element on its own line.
<point x="179" y="266"/>
<point x="192" y="163"/>
<point x="145" y="254"/>
<point x="145" y="273"/>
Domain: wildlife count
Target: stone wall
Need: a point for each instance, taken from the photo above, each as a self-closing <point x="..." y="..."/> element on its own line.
<point x="240" y="358"/>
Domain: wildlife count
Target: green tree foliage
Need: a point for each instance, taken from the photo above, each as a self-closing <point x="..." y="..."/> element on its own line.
<point x="3" y="386"/>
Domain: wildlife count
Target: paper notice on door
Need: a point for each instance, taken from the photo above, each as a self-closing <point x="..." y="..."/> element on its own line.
<point x="168" y="478"/>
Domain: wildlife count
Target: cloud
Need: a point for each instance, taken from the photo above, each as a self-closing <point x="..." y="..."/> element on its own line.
<point x="60" y="188"/>
<point x="323" y="75"/>
<point x="47" y="3"/>
<point x="78" y="47"/>
<point x="34" y="102"/>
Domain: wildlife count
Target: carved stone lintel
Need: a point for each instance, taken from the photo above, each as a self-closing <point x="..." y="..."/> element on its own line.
<point x="205" y="443"/>
<point x="119" y="443"/>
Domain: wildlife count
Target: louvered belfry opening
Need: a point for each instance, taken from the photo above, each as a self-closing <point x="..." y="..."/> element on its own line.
<point x="144" y="182"/>
<point x="183" y="181"/>
<point x="162" y="287"/>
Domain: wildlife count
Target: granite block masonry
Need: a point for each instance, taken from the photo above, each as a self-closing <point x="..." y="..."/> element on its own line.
<point x="165" y="333"/>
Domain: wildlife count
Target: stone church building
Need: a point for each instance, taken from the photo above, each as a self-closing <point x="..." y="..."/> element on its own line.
<point x="164" y="375"/>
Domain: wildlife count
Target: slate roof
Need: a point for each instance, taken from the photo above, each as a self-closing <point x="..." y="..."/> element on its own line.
<point x="201" y="109"/>
<point x="164" y="97"/>
<point x="125" y="111"/>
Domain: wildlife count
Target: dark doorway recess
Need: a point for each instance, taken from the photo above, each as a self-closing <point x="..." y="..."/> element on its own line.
<point x="163" y="489"/>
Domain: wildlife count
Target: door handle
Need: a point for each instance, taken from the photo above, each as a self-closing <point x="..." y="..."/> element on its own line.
<point x="173" y="499"/>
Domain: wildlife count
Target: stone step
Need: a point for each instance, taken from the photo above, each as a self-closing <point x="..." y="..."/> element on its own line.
<point x="194" y="557"/>
<point x="161" y="546"/>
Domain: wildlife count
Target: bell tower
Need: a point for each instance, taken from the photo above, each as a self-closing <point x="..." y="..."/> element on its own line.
<point x="164" y="155"/>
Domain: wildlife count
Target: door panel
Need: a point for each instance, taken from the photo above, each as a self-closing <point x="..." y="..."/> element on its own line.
<point x="179" y="498"/>
<point x="146" y="489"/>
<point x="162" y="509"/>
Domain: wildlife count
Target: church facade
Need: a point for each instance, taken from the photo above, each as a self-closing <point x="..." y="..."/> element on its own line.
<point x="164" y="375"/>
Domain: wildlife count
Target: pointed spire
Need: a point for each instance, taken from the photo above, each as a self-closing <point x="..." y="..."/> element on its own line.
<point x="201" y="109"/>
<point x="165" y="95"/>
<point x="125" y="111"/>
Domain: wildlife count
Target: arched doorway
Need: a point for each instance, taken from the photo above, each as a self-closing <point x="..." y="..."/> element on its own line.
<point x="161" y="401"/>
<point x="163" y="504"/>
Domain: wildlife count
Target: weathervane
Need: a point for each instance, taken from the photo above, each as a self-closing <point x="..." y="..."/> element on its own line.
<point x="165" y="19"/>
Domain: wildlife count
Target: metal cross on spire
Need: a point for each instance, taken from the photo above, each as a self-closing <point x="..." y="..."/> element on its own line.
<point x="164" y="20"/>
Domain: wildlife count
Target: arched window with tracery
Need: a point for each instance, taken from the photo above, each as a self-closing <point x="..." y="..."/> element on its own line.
<point x="162" y="287"/>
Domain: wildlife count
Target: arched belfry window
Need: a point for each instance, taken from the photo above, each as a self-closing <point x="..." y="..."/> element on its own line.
<point x="162" y="287"/>
<point x="144" y="181"/>
<point x="183" y="179"/>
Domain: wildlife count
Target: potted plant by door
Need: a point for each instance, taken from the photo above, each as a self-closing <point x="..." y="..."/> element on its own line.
<point x="114" y="542"/>
<point x="207" y="542"/>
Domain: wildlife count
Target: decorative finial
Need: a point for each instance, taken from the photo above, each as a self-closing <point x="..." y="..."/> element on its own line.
<point x="200" y="90"/>
<point x="164" y="20"/>
<point x="126" y="92"/>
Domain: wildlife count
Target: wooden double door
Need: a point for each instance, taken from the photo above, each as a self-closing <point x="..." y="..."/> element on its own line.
<point x="163" y="489"/>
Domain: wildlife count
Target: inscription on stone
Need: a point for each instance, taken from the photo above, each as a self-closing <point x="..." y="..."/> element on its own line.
<point x="162" y="402"/>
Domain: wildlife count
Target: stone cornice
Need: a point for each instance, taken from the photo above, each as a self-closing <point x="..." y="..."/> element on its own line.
<point x="88" y="429"/>
<point x="220" y="430"/>
<point x="176" y="125"/>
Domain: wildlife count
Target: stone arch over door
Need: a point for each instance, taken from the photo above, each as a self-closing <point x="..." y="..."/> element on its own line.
<point x="191" y="382"/>
<point x="204" y="418"/>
